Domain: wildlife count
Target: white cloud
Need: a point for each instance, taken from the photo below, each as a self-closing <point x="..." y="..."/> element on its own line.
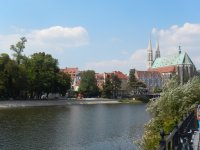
<point x="187" y="35"/>
<point x="54" y="38"/>
<point x="137" y="60"/>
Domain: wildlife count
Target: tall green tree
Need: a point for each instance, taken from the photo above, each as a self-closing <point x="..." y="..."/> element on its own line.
<point x="63" y="83"/>
<point x="12" y="78"/>
<point x="116" y="84"/>
<point x="135" y="85"/>
<point x="88" y="84"/>
<point x="132" y="82"/>
<point x="18" y="49"/>
<point x="42" y="73"/>
<point x="107" y="88"/>
<point x="4" y="60"/>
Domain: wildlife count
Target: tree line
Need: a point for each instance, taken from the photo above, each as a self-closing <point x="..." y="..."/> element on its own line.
<point x="111" y="87"/>
<point x="88" y="85"/>
<point x="29" y="77"/>
<point x="23" y="77"/>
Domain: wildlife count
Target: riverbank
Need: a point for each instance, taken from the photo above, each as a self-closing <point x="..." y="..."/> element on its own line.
<point x="63" y="102"/>
<point x="37" y="103"/>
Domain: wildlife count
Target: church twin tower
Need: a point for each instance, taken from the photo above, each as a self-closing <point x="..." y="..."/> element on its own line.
<point x="150" y="53"/>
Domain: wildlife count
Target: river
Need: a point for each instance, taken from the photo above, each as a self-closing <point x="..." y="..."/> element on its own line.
<point x="72" y="127"/>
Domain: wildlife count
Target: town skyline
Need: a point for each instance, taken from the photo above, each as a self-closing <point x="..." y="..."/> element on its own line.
<point x="101" y="35"/>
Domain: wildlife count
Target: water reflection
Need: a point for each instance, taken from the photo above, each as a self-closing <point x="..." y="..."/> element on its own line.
<point x="74" y="127"/>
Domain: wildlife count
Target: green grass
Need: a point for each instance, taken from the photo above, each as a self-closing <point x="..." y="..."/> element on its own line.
<point x="131" y="101"/>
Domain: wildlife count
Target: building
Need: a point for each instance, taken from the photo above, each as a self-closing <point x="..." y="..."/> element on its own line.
<point x="161" y="69"/>
<point x="71" y="71"/>
<point x="75" y="77"/>
<point x="123" y="77"/>
<point x="152" y="79"/>
<point x="101" y="77"/>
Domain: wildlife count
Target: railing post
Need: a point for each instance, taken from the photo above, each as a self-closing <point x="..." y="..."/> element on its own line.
<point x="175" y="138"/>
<point x="162" y="141"/>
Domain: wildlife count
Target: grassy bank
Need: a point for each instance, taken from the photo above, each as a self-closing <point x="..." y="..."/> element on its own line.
<point x="130" y="101"/>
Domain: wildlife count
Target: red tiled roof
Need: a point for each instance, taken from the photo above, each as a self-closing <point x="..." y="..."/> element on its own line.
<point x="120" y="75"/>
<point x="99" y="76"/>
<point x="169" y="69"/>
<point x="70" y="70"/>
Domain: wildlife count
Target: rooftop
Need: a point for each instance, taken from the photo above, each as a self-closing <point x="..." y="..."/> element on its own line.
<point x="173" y="60"/>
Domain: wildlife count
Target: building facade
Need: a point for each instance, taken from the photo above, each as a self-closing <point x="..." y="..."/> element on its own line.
<point x="75" y="77"/>
<point x="162" y="68"/>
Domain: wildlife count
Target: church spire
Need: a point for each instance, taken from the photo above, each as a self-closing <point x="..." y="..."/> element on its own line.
<point x="179" y="49"/>
<point x="157" y="50"/>
<point x="150" y="54"/>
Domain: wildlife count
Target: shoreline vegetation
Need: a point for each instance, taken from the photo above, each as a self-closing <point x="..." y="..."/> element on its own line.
<point x="62" y="102"/>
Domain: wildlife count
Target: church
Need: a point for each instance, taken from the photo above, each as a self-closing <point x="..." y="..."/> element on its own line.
<point x="161" y="69"/>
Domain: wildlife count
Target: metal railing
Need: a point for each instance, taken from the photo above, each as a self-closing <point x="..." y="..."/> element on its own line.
<point x="172" y="141"/>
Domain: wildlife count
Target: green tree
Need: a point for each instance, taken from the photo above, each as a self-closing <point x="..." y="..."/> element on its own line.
<point x="42" y="73"/>
<point x="175" y="101"/>
<point x="12" y="77"/>
<point x="132" y="82"/>
<point x="107" y="88"/>
<point x="134" y="85"/>
<point x="18" y="49"/>
<point x="116" y="84"/>
<point x="4" y="60"/>
<point x="63" y="83"/>
<point x="88" y="84"/>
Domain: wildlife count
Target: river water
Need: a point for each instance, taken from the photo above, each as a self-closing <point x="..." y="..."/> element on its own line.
<point x="72" y="127"/>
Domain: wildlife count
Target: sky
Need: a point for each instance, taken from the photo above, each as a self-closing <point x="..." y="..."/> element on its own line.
<point x="101" y="35"/>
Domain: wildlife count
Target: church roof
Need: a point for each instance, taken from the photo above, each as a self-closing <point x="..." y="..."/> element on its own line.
<point x="147" y="74"/>
<point x="173" y="60"/>
<point x="167" y="69"/>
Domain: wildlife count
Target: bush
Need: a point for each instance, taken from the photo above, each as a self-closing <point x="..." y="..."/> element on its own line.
<point x="175" y="101"/>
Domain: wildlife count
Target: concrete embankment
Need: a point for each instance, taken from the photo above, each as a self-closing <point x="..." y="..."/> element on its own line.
<point x="37" y="103"/>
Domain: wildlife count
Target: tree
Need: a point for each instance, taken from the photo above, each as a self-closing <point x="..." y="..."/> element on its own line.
<point x="88" y="84"/>
<point x="175" y="101"/>
<point x="4" y="60"/>
<point x="63" y="83"/>
<point x="12" y="78"/>
<point x="116" y="84"/>
<point x="42" y="72"/>
<point x="132" y="82"/>
<point x="18" y="49"/>
<point x="134" y="85"/>
<point x="107" y="88"/>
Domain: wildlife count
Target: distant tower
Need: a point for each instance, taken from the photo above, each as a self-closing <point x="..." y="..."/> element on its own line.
<point x="179" y="49"/>
<point x="150" y="54"/>
<point x="157" y="50"/>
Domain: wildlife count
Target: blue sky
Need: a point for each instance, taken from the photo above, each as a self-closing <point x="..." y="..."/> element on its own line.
<point x="103" y="35"/>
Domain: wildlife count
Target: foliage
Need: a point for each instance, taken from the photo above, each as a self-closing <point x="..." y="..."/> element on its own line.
<point x="88" y="85"/>
<point x="116" y="84"/>
<point x="134" y="85"/>
<point x="63" y="82"/>
<point x="42" y="73"/>
<point x="175" y="101"/>
<point x="31" y="77"/>
<point x="111" y="86"/>
<point x="107" y="88"/>
<point x="132" y="82"/>
<point x="157" y="90"/>
<point x="18" y="49"/>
